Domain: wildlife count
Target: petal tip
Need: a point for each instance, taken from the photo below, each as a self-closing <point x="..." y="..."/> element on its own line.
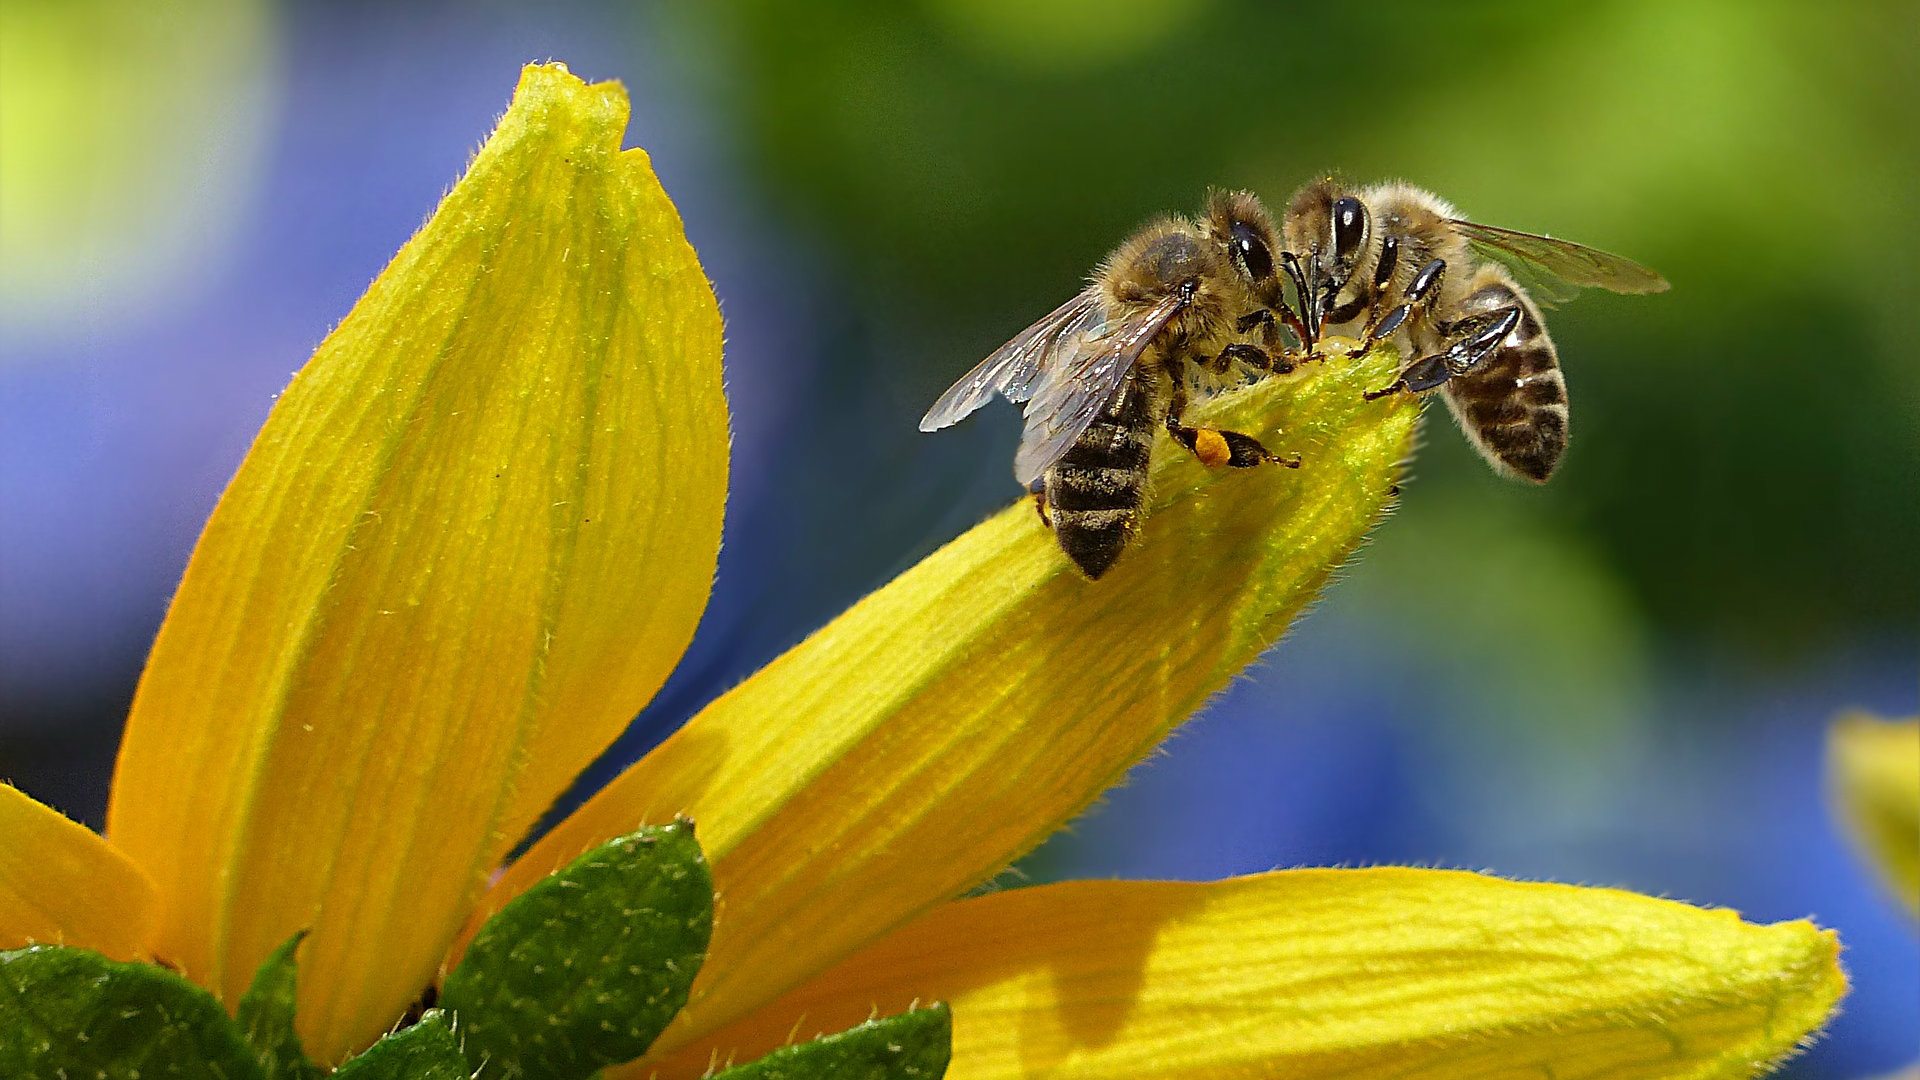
<point x="551" y="94"/>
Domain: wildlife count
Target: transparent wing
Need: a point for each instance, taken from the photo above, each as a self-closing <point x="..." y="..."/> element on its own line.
<point x="1073" y="391"/>
<point x="1014" y="368"/>
<point x="1548" y="290"/>
<point x="1576" y="265"/>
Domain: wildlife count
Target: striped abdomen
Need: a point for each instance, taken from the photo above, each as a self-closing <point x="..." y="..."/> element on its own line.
<point x="1513" y="404"/>
<point x="1096" y="490"/>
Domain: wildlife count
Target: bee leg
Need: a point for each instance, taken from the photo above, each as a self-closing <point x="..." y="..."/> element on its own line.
<point x="1038" y="489"/>
<point x="1268" y="323"/>
<point x="1474" y="339"/>
<point x="1295" y="325"/>
<point x="1348" y="311"/>
<point x="1253" y="356"/>
<point x="1230" y="448"/>
<point x="1380" y="329"/>
<point x="1424" y="290"/>
<point x="1422" y="293"/>
<point x="1216" y="448"/>
<point x="1382" y="325"/>
<point x="1206" y="444"/>
<point x="1245" y="451"/>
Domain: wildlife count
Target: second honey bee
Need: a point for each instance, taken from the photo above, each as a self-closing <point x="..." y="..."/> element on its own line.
<point x="1182" y="303"/>
<point x="1396" y="260"/>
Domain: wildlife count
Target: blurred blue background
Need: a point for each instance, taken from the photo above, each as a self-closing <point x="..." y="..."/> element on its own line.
<point x="1622" y="679"/>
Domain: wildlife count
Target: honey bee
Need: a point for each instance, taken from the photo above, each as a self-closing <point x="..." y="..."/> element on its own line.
<point x="1174" y="311"/>
<point x="1394" y="259"/>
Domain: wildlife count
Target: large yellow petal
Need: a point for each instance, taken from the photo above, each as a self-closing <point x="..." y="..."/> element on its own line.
<point x="472" y="539"/>
<point x="948" y="723"/>
<point x="1329" y="973"/>
<point x="60" y="883"/>
<point x="1873" y="769"/>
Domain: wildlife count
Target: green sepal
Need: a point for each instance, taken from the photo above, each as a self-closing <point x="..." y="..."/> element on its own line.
<point x="587" y="967"/>
<point x="68" y="1012"/>
<point x="426" y="1051"/>
<point x="265" y="1016"/>
<point x="912" y="1046"/>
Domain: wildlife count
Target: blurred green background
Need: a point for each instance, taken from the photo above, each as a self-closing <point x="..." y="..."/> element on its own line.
<point x="1621" y="678"/>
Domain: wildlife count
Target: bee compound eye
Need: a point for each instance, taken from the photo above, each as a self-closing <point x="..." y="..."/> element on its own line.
<point x="1251" y="252"/>
<point x="1349" y="227"/>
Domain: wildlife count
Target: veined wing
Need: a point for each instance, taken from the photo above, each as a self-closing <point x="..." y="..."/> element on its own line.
<point x="1547" y="289"/>
<point x="1073" y="391"/>
<point x="1573" y="264"/>
<point x="1014" y="369"/>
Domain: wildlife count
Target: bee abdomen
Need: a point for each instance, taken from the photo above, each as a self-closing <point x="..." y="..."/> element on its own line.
<point x="1514" y="403"/>
<point x="1097" y="491"/>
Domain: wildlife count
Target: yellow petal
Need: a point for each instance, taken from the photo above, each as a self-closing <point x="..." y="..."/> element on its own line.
<point x="60" y="883"/>
<point x="472" y="539"/>
<point x="949" y="722"/>
<point x="1334" y="973"/>
<point x="1874" y="772"/>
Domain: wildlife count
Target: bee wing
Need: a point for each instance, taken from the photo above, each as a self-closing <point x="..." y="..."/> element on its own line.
<point x="1072" y="391"/>
<point x="1567" y="263"/>
<point x="1547" y="289"/>
<point x="1014" y="368"/>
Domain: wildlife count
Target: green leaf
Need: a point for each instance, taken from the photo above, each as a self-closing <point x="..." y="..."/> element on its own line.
<point x="265" y="1016"/>
<point x="585" y="968"/>
<point x="912" y="1046"/>
<point x="425" y="1051"/>
<point x="68" y="1013"/>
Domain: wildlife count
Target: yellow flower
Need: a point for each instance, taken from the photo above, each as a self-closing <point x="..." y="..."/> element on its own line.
<point x="477" y="532"/>
<point x="1873" y="769"/>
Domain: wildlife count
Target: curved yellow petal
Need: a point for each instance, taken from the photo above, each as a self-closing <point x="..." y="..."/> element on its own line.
<point x="1873" y="770"/>
<point x="472" y="539"/>
<point x="60" y="883"/>
<point x="948" y="723"/>
<point x="1329" y="973"/>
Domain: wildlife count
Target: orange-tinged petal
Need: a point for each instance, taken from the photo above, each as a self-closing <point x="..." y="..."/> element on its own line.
<point x="60" y="883"/>
<point x="1327" y="973"/>
<point x="472" y="539"/>
<point x="948" y="723"/>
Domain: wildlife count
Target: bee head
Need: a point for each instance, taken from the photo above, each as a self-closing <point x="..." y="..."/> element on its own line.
<point x="1241" y="227"/>
<point x="1330" y="228"/>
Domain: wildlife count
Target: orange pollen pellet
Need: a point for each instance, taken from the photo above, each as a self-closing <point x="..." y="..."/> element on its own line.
<point x="1211" y="448"/>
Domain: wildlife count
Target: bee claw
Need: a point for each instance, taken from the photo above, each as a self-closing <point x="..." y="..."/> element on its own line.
<point x="1038" y="489"/>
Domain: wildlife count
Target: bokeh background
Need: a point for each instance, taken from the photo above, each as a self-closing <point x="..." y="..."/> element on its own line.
<point x="1623" y="678"/>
